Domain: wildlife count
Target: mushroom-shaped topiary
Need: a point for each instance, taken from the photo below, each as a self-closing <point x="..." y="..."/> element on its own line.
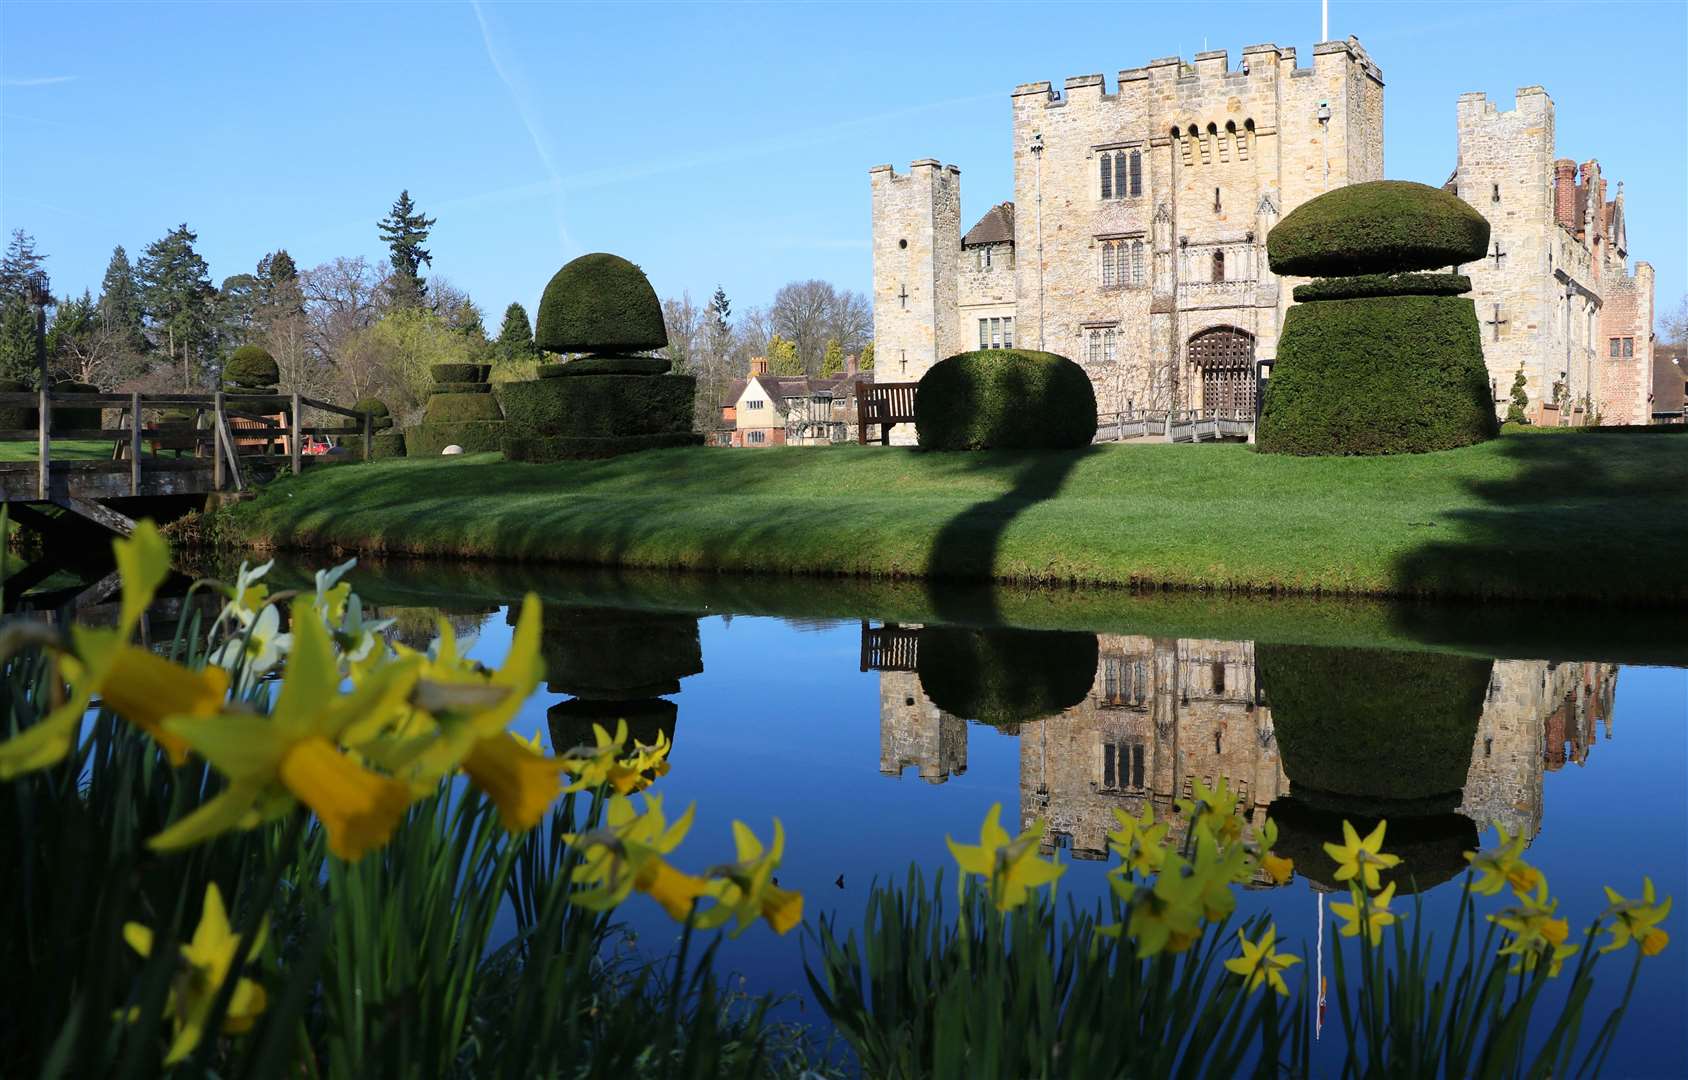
<point x="1005" y="399"/>
<point x="600" y="304"/>
<point x="1005" y="677"/>
<point x="1382" y="227"/>
<point x="251" y="367"/>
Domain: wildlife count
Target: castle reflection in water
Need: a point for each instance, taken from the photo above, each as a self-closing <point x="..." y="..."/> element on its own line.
<point x="1164" y="713"/>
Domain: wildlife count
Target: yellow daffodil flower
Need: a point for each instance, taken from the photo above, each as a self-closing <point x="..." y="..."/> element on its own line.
<point x="144" y="689"/>
<point x="1215" y="871"/>
<point x="293" y="754"/>
<point x="521" y="782"/>
<point x="1504" y="866"/>
<point x="1372" y="913"/>
<point x="206" y="961"/>
<point x="1637" y="920"/>
<point x="627" y="854"/>
<point x="745" y="891"/>
<point x="1166" y="917"/>
<point x="1009" y="866"/>
<point x="1361" y="858"/>
<point x="1535" y="933"/>
<point x="1218" y="808"/>
<point x="1278" y="870"/>
<point x="143" y="561"/>
<point x="603" y="763"/>
<point x="1140" y="842"/>
<point x="1259" y="965"/>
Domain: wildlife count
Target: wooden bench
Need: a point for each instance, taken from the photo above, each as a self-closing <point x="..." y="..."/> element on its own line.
<point x="885" y="404"/>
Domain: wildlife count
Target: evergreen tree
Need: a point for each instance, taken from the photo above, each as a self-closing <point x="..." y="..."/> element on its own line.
<point x="783" y="358"/>
<point x="720" y="313"/>
<point x="17" y="341"/>
<point x="867" y="357"/>
<point x="21" y="265"/>
<point x="1515" y="411"/>
<point x="405" y="230"/>
<point x="120" y="299"/>
<point x="237" y="311"/>
<point x="278" y="290"/>
<point x="178" y="299"/>
<point x="832" y="361"/>
<point x="515" y="336"/>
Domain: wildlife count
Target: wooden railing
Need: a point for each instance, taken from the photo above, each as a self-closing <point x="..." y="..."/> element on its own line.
<point x="890" y="647"/>
<point x="1177" y="426"/>
<point x="280" y="422"/>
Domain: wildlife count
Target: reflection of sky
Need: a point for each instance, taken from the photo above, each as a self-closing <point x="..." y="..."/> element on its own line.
<point x="782" y="723"/>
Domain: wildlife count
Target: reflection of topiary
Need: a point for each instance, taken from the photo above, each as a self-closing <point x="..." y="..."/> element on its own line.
<point x="608" y="654"/>
<point x="1004" y="677"/>
<point x="1005" y="399"/>
<point x="1381" y="227"/>
<point x="1389" y="732"/>
<point x="1432" y="848"/>
<point x="601" y="304"/>
<point x="251" y="367"/>
<point x="571" y="721"/>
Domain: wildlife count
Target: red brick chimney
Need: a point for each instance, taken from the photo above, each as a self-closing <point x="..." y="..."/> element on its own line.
<point x="758" y="366"/>
<point x="851" y="366"/>
<point x="1565" y="192"/>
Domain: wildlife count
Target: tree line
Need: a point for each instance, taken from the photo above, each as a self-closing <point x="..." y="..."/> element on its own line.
<point x="352" y="328"/>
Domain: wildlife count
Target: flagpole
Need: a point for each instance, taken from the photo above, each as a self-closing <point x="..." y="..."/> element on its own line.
<point x="1324" y="20"/>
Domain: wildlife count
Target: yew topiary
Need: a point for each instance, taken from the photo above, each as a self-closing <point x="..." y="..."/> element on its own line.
<point x="1381" y="227"/>
<point x="600" y="304"/>
<point x="251" y="367"/>
<point x="1005" y="677"/>
<point x="462" y="411"/>
<point x="70" y="417"/>
<point x="1005" y="399"/>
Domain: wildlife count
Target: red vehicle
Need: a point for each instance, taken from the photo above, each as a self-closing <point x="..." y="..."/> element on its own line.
<point x="316" y="445"/>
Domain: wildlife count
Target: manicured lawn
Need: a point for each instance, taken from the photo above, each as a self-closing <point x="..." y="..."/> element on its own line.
<point x="1597" y="518"/>
<point x="66" y="449"/>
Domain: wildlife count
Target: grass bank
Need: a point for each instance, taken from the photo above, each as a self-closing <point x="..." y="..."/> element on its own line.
<point x="1521" y="517"/>
<point x="63" y="450"/>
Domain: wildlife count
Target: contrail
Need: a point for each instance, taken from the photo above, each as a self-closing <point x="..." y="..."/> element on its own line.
<point x="531" y="122"/>
<point x="41" y="80"/>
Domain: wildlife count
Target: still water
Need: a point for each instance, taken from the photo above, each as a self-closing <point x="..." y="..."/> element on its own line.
<point x="874" y="720"/>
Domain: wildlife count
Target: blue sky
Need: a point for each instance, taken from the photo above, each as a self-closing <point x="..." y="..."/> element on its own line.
<point x="707" y="143"/>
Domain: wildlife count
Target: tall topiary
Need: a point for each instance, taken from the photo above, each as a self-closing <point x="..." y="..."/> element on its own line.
<point x="1005" y="399"/>
<point x="1377" y="358"/>
<point x="461" y="411"/>
<point x="251" y="368"/>
<point x="608" y="400"/>
<point x="388" y="443"/>
<point x="1517" y="408"/>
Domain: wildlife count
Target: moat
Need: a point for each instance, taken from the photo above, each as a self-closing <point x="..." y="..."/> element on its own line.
<point x="875" y="720"/>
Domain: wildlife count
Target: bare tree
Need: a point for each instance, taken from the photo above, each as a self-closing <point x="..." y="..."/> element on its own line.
<point x="803" y="313"/>
<point x="342" y="297"/>
<point x="1673" y="328"/>
<point x="750" y="337"/>
<point x="686" y="338"/>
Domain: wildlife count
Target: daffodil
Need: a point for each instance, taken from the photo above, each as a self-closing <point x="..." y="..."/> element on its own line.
<point x="1637" y="920"/>
<point x="627" y="854"/>
<point x="1359" y="858"/>
<point x="1534" y="933"/>
<point x="1217" y="808"/>
<point x="1010" y="867"/>
<point x="143" y="562"/>
<point x="255" y="648"/>
<point x="745" y="891"/>
<point x="144" y="689"/>
<point x="519" y="780"/>
<point x="1166" y="917"/>
<point x="1368" y="912"/>
<point x="293" y="755"/>
<point x="1277" y="869"/>
<point x="1259" y="965"/>
<point x="205" y="965"/>
<point x="1214" y="871"/>
<point x="605" y="762"/>
<point x="1139" y="842"/>
<point x="1504" y="866"/>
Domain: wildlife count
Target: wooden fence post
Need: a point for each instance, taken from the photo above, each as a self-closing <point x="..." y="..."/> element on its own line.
<point x="368" y="435"/>
<point x="135" y="443"/>
<point x="293" y="440"/>
<point x="44" y="417"/>
<point x="217" y="442"/>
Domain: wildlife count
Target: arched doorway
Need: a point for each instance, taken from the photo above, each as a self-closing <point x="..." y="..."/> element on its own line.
<point x="1224" y="357"/>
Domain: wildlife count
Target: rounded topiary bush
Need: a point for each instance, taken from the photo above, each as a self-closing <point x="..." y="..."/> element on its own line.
<point x="17" y="417"/>
<point x="1432" y="847"/>
<point x="251" y="367"/>
<point x="1005" y="399"/>
<point x="1362" y="285"/>
<point x="600" y="303"/>
<point x="1382" y="375"/>
<point x="460" y="373"/>
<point x="1381" y="227"/>
<point x="1005" y="677"/>
<point x="377" y="410"/>
<point x="610" y="654"/>
<point x="607" y="365"/>
<point x="1372" y="730"/>
<point x="457" y="408"/>
<point x="69" y="417"/>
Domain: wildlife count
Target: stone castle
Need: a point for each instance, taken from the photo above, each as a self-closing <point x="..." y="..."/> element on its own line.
<point x="1164" y="713"/>
<point x="1136" y="240"/>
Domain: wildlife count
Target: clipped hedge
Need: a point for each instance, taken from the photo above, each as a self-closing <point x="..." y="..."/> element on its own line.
<point x="600" y="406"/>
<point x="1380" y="227"/>
<point x="607" y="365"/>
<point x="1005" y="677"/>
<point x="17" y="417"/>
<point x="457" y="408"/>
<point x="599" y="303"/>
<point x="386" y="444"/>
<point x="70" y="417"/>
<point x="377" y="410"/>
<point x="1350" y="288"/>
<point x="1392" y="730"/>
<point x="460" y="388"/>
<point x="1383" y="375"/>
<point x="251" y="367"/>
<point x="474" y="436"/>
<point x="460" y="373"/>
<point x="609" y="654"/>
<point x="541" y="449"/>
<point x="1005" y="399"/>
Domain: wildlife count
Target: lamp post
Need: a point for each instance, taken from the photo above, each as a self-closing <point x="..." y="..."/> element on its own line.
<point x="1037" y="157"/>
<point x="38" y="297"/>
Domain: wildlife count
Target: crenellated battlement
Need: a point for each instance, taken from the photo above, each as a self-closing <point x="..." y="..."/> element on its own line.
<point x="888" y="172"/>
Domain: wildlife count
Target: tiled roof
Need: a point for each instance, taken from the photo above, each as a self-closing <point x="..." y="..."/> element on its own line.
<point x="996" y="227"/>
<point x="1670" y="372"/>
<point x="782" y="387"/>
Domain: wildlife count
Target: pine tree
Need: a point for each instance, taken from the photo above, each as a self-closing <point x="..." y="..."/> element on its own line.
<point x="867" y="357"/>
<point x="405" y="230"/>
<point x="178" y="299"/>
<point x="278" y="291"/>
<point x="832" y="361"/>
<point x="120" y="298"/>
<point x="515" y="336"/>
<point x="17" y="341"/>
<point x="1515" y="412"/>
<point x="20" y="266"/>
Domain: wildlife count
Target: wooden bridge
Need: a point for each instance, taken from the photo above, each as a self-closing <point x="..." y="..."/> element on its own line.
<point x="218" y="442"/>
<point x="1174" y="426"/>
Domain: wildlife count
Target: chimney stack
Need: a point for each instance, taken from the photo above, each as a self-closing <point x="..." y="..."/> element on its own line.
<point x="1565" y="192"/>
<point x="851" y="368"/>
<point x="758" y="366"/>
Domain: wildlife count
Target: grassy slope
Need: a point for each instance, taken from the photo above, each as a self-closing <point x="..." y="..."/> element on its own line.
<point x="1524" y="516"/>
<point x="68" y="449"/>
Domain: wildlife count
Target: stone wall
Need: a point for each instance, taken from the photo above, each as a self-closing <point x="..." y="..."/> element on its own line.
<point x="914" y="732"/>
<point x="916" y="261"/>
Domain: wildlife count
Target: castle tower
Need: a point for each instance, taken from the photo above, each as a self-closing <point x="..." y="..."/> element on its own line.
<point x="916" y="260"/>
<point x="913" y="731"/>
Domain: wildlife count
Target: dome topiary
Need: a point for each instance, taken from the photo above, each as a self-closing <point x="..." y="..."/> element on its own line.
<point x="1005" y="677"/>
<point x="1005" y="399"/>
<point x="609" y="654"/>
<point x="251" y="367"/>
<point x="601" y="304"/>
<point x="1381" y="227"/>
<point x="377" y="409"/>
